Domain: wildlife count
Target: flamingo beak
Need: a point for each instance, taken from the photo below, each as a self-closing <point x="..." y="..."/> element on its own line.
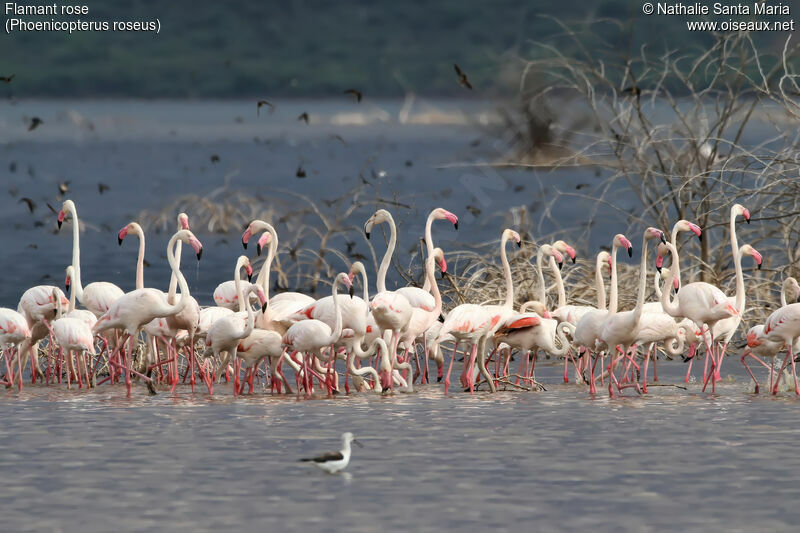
<point x="264" y="307"/>
<point x="519" y="244"/>
<point x="663" y="239"/>
<point x="200" y="253"/>
<point x="249" y="274"/>
<point x="441" y="317"/>
<point x="61" y="216"/>
<point x="455" y="225"/>
<point x="630" y="251"/>
<point x="746" y="214"/>
<point x="66" y="285"/>
<point x="246" y="237"/>
<point x="350" y="291"/>
<point x="560" y="265"/>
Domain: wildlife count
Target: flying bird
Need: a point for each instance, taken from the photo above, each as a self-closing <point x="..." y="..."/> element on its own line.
<point x="35" y="123"/>
<point x="339" y="138"/>
<point x="30" y="203"/>
<point x="262" y="103"/>
<point x="102" y="187"/>
<point x="333" y="462"/>
<point x="7" y="79"/>
<point x="63" y="187"/>
<point x="215" y="158"/>
<point x="462" y="77"/>
<point x="301" y="172"/>
<point x="354" y="92"/>
<point x="303" y="116"/>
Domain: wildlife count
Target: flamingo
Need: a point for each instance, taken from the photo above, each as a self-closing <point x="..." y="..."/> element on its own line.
<point x="783" y="328"/>
<point x="283" y="305"/>
<point x="74" y="335"/>
<point x="589" y="329"/>
<point x="13" y="331"/>
<point x="567" y="312"/>
<point x="391" y="310"/>
<point x="310" y="336"/>
<point x="224" y="335"/>
<point x="38" y="306"/>
<point x="81" y="314"/>
<point x="97" y="297"/>
<point x="759" y="347"/>
<point x="619" y="328"/>
<point x="134" y="309"/>
<point x="702" y="303"/>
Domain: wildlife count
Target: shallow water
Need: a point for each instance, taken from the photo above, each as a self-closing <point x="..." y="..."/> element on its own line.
<point x="555" y="460"/>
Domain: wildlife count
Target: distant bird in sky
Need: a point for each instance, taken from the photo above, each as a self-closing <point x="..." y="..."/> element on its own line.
<point x="462" y="77"/>
<point x="333" y="462"/>
<point x="635" y="90"/>
<point x="339" y="138"/>
<point x="301" y="172"/>
<point x="30" y="203"/>
<point x="215" y="158"/>
<point x="35" y="123"/>
<point x="303" y="116"/>
<point x="63" y="187"/>
<point x="354" y="92"/>
<point x="262" y="103"/>
<point x="102" y="187"/>
<point x="7" y="79"/>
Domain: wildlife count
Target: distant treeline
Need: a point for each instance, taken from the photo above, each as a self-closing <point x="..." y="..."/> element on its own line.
<point x="311" y="48"/>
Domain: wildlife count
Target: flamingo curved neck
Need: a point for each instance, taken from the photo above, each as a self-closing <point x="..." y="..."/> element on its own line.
<point x="266" y="268"/>
<point x="599" y="284"/>
<point x="387" y="257"/>
<point x="542" y="293"/>
<point x="509" y="302"/>
<point x="140" y="259"/>
<point x="562" y="296"/>
<point x="565" y="344"/>
<point x="671" y="307"/>
<point x="428" y="234"/>
<point x="737" y="265"/>
<point x="173" y="281"/>
<point x="337" y="327"/>
<point x="637" y="311"/>
<point x="430" y="265"/>
<point x="248" y="327"/>
<point x="365" y="282"/>
<point x="176" y="271"/>
<point x="676" y="260"/>
<point x="76" y="252"/>
<point x="613" y="297"/>
<point x="237" y="282"/>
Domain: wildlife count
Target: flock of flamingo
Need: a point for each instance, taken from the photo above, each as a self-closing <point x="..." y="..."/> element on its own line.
<point x="164" y="339"/>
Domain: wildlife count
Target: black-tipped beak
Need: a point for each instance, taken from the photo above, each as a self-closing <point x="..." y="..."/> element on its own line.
<point x="747" y="220"/>
<point x="366" y="233"/>
<point x="659" y="269"/>
<point x="630" y="251"/>
<point x="456" y="226"/>
<point x="441" y="317"/>
<point x="663" y="239"/>
<point x="358" y="443"/>
<point x="350" y="291"/>
<point x="59" y="224"/>
<point x="200" y="254"/>
<point x="519" y="244"/>
<point x="119" y="240"/>
<point x="249" y="277"/>
<point x="244" y="244"/>
<point x="264" y="307"/>
<point x="66" y="288"/>
<point x="573" y="260"/>
<point x="560" y="265"/>
<point x="759" y="266"/>
<point x="700" y="237"/>
<point x="258" y="248"/>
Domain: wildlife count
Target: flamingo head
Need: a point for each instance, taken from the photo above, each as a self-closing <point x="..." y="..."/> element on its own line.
<point x="66" y="207"/>
<point x="565" y="248"/>
<point x="262" y="297"/>
<point x="746" y="249"/>
<point x="263" y="241"/>
<point x="344" y="279"/>
<point x="122" y="234"/>
<point x="740" y="210"/>
<point x="248" y="232"/>
<point x="249" y="270"/>
<point x="655" y="233"/>
<point x="355" y="268"/>
<point x="793" y="283"/>
<point x="444" y="214"/>
<point x="68" y="279"/>
<point x="188" y="237"/>
<point x="438" y="254"/>
<point x="685" y="225"/>
<point x="621" y="241"/>
<point x="510" y="234"/>
<point x="604" y="257"/>
<point x="546" y="249"/>
<point x="539" y="308"/>
<point x="183" y="221"/>
<point x="381" y="215"/>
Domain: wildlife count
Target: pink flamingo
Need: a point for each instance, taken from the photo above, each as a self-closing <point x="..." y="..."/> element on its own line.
<point x="758" y="346"/>
<point x="136" y="308"/>
<point x="391" y="310"/>
<point x="700" y="302"/>
<point x="588" y="331"/>
<point x="310" y="336"/>
<point x="97" y="297"/>
<point x="619" y="328"/>
<point x="75" y="336"/>
<point x="38" y="306"/>
<point x="13" y="331"/>
<point x="226" y="333"/>
<point x="783" y="327"/>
